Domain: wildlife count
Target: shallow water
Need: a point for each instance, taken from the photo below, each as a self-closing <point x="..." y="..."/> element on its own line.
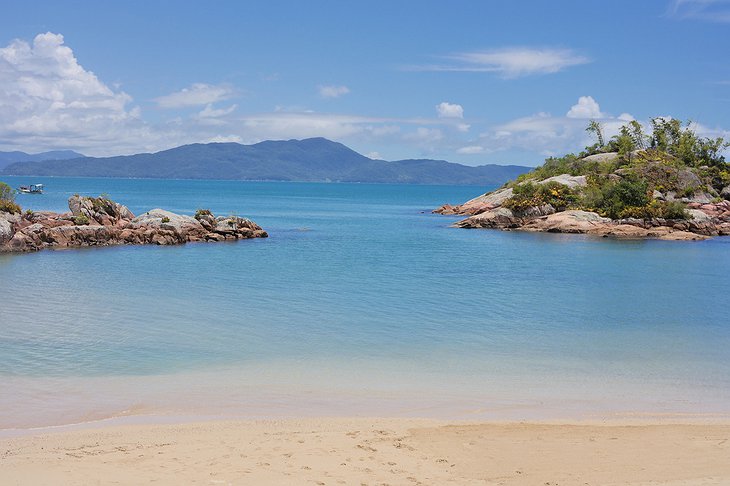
<point x="360" y="302"/>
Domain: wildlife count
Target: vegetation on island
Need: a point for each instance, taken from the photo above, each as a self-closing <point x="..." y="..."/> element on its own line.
<point x="7" y="199"/>
<point x="633" y="174"/>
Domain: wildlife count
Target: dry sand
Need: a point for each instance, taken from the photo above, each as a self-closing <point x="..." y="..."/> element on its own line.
<point x="373" y="452"/>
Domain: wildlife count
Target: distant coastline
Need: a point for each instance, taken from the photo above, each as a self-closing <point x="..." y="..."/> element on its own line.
<point x="308" y="160"/>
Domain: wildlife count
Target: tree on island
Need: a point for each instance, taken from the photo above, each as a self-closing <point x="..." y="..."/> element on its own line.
<point x="7" y="199"/>
<point x="596" y="129"/>
<point x="633" y="175"/>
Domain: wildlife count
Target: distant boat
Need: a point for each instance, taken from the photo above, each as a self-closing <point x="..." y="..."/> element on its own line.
<point x="31" y="189"/>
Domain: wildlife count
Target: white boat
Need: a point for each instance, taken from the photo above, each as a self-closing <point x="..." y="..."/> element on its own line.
<point x="31" y="189"/>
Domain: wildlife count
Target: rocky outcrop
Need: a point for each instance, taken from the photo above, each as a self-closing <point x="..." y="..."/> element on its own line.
<point x="585" y="222"/>
<point x="479" y="204"/>
<point x="102" y="222"/>
<point x="495" y="199"/>
<point x="705" y="220"/>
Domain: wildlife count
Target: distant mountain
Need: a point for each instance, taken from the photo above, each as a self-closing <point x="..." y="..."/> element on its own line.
<point x="7" y="158"/>
<point x="309" y="160"/>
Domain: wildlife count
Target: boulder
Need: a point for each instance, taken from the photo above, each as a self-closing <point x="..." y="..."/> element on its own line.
<point x="700" y="197"/>
<point x="207" y="220"/>
<point x="99" y="209"/>
<point x="494" y="218"/>
<point x="573" y="221"/>
<point x="725" y="192"/>
<point x="687" y="180"/>
<point x="486" y="201"/>
<point x="6" y="230"/>
<point x="567" y="180"/>
<point x="536" y="211"/>
<point x="682" y="236"/>
<point x="166" y="220"/>
<point x="627" y="231"/>
<point x="607" y="157"/>
<point x="699" y="215"/>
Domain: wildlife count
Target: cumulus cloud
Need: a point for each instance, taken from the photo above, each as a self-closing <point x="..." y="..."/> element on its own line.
<point x="449" y="110"/>
<point x="544" y="133"/>
<point x="48" y="100"/>
<point x="333" y="91"/>
<point x="511" y="62"/>
<point x="585" y="108"/>
<point x="198" y="94"/>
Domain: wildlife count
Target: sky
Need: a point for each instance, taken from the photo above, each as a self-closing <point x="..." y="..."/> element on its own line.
<point x="474" y="82"/>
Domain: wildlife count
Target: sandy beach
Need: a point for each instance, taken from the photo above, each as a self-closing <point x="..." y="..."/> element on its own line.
<point x="371" y="452"/>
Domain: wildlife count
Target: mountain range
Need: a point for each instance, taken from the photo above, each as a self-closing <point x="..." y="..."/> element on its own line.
<point x="7" y="158"/>
<point x="308" y="160"/>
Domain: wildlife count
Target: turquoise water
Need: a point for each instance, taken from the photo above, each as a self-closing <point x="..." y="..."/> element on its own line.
<point x="360" y="302"/>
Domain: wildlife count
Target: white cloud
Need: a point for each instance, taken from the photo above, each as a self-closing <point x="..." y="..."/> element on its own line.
<point x="426" y="135"/>
<point x="449" y="110"/>
<point x="471" y="150"/>
<point x="543" y="133"/>
<point x="707" y="10"/>
<point x="585" y="108"/>
<point x="512" y="62"/>
<point x="198" y="94"/>
<point x="210" y="112"/>
<point x="374" y="155"/>
<point x="224" y="139"/>
<point x="705" y="131"/>
<point x="48" y="100"/>
<point x="333" y="91"/>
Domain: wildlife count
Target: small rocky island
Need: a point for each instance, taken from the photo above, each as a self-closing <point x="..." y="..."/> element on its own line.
<point x="99" y="221"/>
<point x="668" y="185"/>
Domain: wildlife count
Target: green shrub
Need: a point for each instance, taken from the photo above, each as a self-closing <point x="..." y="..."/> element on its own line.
<point x="102" y="204"/>
<point x="202" y="212"/>
<point x="165" y="219"/>
<point x="9" y="207"/>
<point x="674" y="210"/>
<point x="656" y="209"/>
<point x="6" y="192"/>
<point x="527" y="195"/>
<point x="623" y="199"/>
<point x="81" y="220"/>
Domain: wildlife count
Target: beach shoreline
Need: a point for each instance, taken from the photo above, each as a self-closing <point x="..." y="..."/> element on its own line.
<point x="639" y="450"/>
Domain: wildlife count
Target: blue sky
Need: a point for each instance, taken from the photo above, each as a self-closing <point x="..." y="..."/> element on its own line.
<point x="468" y="81"/>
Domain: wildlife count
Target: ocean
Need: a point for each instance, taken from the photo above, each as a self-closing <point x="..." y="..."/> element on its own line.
<point x="360" y="302"/>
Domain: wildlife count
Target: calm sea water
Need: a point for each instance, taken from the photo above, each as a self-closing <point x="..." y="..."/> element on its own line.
<point x="360" y="302"/>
